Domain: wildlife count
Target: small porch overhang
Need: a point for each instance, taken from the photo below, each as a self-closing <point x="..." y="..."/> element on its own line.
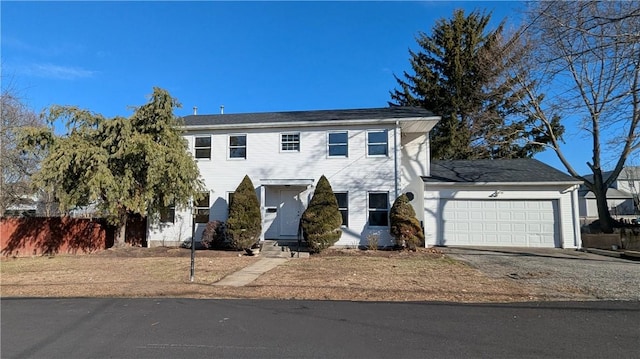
<point x="298" y="182"/>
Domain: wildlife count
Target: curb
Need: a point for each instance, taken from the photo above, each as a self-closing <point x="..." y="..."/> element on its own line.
<point x="626" y="254"/>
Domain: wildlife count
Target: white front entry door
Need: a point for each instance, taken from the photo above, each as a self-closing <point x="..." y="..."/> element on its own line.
<point x="289" y="212"/>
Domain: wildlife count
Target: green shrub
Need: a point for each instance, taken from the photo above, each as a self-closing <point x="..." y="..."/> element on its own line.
<point x="404" y="226"/>
<point x="321" y="220"/>
<point x="214" y="235"/>
<point x="244" y="223"/>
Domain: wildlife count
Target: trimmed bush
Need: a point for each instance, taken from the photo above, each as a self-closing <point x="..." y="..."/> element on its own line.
<point x="321" y="220"/>
<point x="244" y="223"/>
<point x="405" y="227"/>
<point x="214" y="235"/>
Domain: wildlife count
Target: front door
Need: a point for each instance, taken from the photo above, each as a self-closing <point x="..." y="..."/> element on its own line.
<point x="289" y="212"/>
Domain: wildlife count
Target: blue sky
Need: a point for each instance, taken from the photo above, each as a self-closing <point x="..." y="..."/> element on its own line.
<point x="247" y="56"/>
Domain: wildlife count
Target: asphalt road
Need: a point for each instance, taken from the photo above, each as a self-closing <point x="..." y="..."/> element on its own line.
<point x="185" y="328"/>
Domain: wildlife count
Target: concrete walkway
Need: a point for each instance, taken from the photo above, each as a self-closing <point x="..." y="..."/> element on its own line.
<point x="250" y="273"/>
<point x="271" y="255"/>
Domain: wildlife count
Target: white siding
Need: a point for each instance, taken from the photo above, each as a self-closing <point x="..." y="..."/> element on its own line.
<point x="414" y="164"/>
<point x="356" y="174"/>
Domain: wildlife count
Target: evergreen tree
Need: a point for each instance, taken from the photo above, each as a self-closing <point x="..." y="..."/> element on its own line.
<point x="321" y="220"/>
<point x="244" y="224"/>
<point x="404" y="225"/>
<point x="461" y="73"/>
<point x="136" y="165"/>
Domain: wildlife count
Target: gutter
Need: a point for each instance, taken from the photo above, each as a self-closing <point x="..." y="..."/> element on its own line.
<point x="478" y="184"/>
<point x="302" y="123"/>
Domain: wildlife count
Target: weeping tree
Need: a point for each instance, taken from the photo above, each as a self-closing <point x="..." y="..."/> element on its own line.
<point x="123" y="166"/>
<point x="244" y="223"/>
<point x="404" y="226"/>
<point x="462" y="72"/>
<point x="322" y="219"/>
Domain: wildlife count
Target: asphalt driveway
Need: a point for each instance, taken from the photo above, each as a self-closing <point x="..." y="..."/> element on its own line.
<point x="563" y="273"/>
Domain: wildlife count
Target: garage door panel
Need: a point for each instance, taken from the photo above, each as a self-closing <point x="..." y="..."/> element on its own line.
<point x="519" y="223"/>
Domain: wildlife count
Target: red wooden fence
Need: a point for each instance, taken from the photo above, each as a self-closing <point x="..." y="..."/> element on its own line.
<point x="53" y="235"/>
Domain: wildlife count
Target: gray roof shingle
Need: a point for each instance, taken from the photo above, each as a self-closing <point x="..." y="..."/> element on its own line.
<point x="307" y="116"/>
<point x="522" y="170"/>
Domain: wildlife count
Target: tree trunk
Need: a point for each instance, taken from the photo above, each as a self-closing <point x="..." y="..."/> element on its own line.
<point x="120" y="235"/>
<point x="606" y="222"/>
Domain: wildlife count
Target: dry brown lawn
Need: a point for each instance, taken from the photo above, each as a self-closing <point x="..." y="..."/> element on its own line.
<point x="425" y="275"/>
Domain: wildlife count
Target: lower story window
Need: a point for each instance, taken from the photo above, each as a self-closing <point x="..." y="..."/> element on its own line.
<point x="202" y="208"/>
<point x="168" y="214"/>
<point x="379" y="209"/>
<point x="343" y="206"/>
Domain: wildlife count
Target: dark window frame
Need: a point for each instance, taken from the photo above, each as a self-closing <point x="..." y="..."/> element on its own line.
<point x="344" y="210"/>
<point x="374" y="217"/>
<point x="168" y="214"/>
<point x="202" y="208"/>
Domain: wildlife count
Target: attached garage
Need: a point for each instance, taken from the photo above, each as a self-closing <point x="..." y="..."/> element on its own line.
<point x="522" y="223"/>
<point x="500" y="203"/>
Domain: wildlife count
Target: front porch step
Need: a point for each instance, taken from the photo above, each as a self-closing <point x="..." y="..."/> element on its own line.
<point x="273" y="249"/>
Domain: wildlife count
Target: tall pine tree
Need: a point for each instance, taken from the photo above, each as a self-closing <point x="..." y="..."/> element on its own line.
<point x="461" y="73"/>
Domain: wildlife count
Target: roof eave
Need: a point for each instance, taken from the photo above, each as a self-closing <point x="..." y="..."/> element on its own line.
<point x="305" y="123"/>
<point x="474" y="184"/>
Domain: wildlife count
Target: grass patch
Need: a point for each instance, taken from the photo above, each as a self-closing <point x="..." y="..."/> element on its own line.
<point x="335" y="275"/>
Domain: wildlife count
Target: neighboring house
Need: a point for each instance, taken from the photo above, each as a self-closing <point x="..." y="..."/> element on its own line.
<point x="370" y="157"/>
<point x="623" y="196"/>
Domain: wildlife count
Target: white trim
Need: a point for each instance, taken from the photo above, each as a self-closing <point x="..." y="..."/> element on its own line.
<point x="344" y="208"/>
<point x="337" y="144"/>
<point x="366" y="142"/>
<point x="195" y="147"/>
<point x="246" y="141"/>
<point x="286" y="182"/>
<point x="388" y="209"/>
<point x="476" y="184"/>
<point x="299" y="142"/>
<point x="332" y="123"/>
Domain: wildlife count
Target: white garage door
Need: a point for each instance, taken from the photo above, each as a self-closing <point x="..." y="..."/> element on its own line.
<point x="528" y="223"/>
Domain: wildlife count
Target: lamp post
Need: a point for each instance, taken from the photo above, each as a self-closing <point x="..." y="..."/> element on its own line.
<point x="193" y="241"/>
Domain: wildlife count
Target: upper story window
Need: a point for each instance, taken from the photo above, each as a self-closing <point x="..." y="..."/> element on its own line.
<point x="379" y="209"/>
<point x="290" y="142"/>
<point x="338" y="144"/>
<point x="202" y="208"/>
<point x="238" y="146"/>
<point x="377" y="143"/>
<point x="343" y="206"/>
<point x="203" y="147"/>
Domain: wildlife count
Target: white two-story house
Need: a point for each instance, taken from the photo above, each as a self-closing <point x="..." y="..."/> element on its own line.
<point x="370" y="157"/>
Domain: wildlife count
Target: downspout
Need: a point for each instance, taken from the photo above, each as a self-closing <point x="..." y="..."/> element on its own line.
<point x="263" y="211"/>
<point x="576" y="217"/>
<point x="396" y="163"/>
